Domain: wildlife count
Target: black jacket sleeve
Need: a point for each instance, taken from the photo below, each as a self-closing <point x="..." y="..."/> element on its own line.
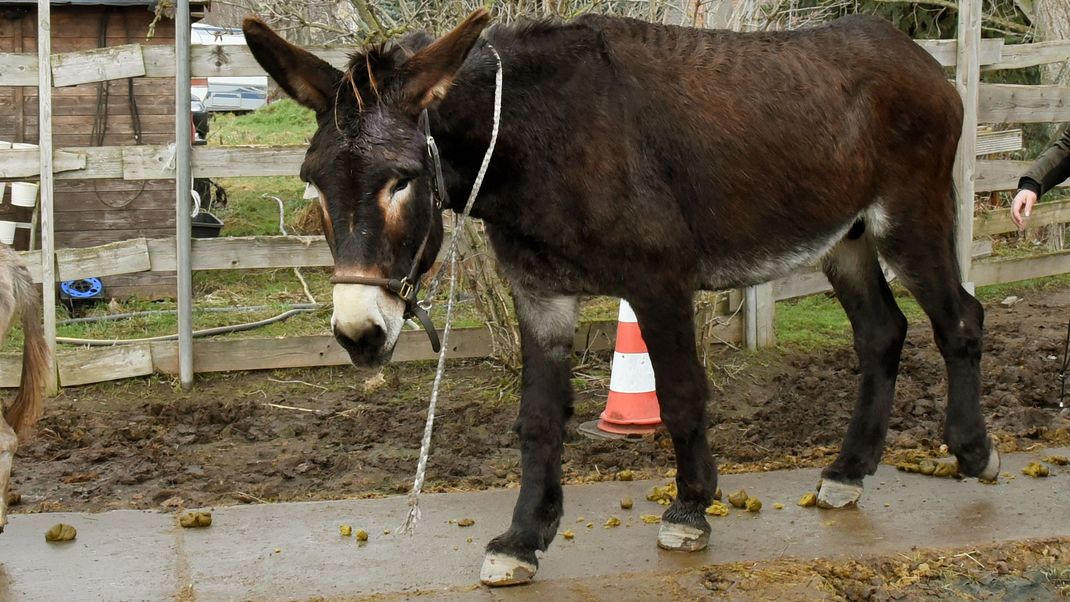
<point x="1050" y="168"/>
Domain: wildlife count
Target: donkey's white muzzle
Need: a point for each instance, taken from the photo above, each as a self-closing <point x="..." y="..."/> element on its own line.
<point x="367" y="320"/>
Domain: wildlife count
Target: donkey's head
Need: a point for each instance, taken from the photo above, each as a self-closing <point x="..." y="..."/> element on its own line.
<point x="369" y="164"/>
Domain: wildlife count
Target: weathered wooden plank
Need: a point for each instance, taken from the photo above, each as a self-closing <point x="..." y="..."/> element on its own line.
<point x="800" y="284"/>
<point x="1002" y="175"/>
<point x="1007" y="103"/>
<point x="946" y="51"/>
<point x="97" y="65"/>
<point x="155" y="162"/>
<point x="122" y="257"/>
<point x="216" y="162"/>
<point x="100" y="162"/>
<point x="1013" y="270"/>
<point x="245" y="252"/>
<point x="149" y="162"/>
<point x="759" y="312"/>
<point x="1002" y="141"/>
<point x="227" y="355"/>
<point x="104" y="218"/>
<point x="47" y="190"/>
<point x="18" y="69"/>
<point x="75" y="187"/>
<point x="248" y="252"/>
<point x="967" y="81"/>
<point x="117" y="123"/>
<point x="101" y="364"/>
<point x="73" y="206"/>
<point x="999" y="220"/>
<point x="26" y="162"/>
<point x="1017" y="56"/>
<point x="159" y="60"/>
<point x="88" y="238"/>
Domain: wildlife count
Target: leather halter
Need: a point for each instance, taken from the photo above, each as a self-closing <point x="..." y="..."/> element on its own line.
<point x="407" y="287"/>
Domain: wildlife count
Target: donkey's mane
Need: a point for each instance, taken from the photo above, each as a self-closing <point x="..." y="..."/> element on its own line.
<point x="368" y="66"/>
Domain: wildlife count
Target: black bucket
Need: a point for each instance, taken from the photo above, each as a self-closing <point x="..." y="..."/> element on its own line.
<point x="206" y="225"/>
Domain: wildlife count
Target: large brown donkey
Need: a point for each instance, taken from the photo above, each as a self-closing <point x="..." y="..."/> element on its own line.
<point x="18" y="295"/>
<point x="646" y="162"/>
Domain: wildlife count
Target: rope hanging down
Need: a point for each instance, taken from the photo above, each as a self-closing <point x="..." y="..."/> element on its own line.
<point x="413" y="515"/>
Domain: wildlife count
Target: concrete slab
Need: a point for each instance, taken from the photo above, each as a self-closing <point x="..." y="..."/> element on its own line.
<point x="125" y="554"/>
<point x="294" y="551"/>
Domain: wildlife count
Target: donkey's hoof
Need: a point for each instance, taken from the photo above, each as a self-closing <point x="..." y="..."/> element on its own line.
<point x="833" y="494"/>
<point x="500" y="570"/>
<point x="682" y="538"/>
<point x="991" y="471"/>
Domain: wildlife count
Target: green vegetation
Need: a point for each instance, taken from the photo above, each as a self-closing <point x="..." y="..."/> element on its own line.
<point x="818" y="321"/>
<point x="281" y="122"/>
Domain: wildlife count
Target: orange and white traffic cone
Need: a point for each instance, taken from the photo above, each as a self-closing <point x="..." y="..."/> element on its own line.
<point x="632" y="408"/>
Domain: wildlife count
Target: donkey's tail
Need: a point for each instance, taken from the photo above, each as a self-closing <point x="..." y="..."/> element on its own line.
<point x="28" y="405"/>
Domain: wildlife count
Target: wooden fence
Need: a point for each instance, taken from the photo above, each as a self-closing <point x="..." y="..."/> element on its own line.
<point x="995" y="104"/>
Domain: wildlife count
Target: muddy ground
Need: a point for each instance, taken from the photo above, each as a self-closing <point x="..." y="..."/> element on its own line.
<point x="1020" y="572"/>
<point x="344" y="432"/>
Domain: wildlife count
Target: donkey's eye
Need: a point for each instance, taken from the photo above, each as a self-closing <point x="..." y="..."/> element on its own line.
<point x="399" y="185"/>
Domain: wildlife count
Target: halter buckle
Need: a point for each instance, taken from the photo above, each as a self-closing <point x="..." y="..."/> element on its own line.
<point x="406" y="289"/>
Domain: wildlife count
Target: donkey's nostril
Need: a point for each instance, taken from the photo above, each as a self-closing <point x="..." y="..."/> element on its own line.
<point x="366" y="347"/>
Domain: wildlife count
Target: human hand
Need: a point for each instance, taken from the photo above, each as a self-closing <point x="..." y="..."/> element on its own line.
<point x="1022" y="207"/>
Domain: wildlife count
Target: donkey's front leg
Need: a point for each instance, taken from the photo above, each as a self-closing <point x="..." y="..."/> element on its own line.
<point x="669" y="331"/>
<point x="546" y="331"/>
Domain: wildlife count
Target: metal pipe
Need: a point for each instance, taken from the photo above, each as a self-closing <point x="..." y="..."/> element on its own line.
<point x="197" y="333"/>
<point x="183" y="182"/>
<point x="48" y="225"/>
<point x="167" y="312"/>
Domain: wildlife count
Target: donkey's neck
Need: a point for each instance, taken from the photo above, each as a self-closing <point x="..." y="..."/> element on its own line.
<point x="535" y="60"/>
<point x="462" y="126"/>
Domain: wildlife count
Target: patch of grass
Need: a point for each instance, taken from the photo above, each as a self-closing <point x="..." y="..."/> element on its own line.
<point x="998" y="292"/>
<point x="819" y="321"/>
<point x="249" y="213"/>
<point x="279" y="123"/>
<point x="812" y="322"/>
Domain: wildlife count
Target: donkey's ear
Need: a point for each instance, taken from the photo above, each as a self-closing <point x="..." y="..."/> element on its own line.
<point x="305" y="77"/>
<point x="429" y="73"/>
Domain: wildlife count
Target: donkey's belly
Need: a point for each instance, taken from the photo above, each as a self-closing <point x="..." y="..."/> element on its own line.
<point x="763" y="264"/>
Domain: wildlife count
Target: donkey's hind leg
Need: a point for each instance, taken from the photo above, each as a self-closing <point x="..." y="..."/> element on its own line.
<point x="879" y="331"/>
<point x="924" y="258"/>
<point x="547" y="324"/>
<point x="667" y="324"/>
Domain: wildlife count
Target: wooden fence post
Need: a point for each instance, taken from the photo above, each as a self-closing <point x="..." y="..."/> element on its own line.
<point x="759" y="311"/>
<point x="183" y="205"/>
<point x="48" y="224"/>
<point x="968" y="82"/>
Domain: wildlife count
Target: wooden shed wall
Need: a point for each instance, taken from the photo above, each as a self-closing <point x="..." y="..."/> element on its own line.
<point x="93" y="212"/>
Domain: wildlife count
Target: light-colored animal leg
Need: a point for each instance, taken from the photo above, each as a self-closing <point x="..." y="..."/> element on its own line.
<point x="8" y="443"/>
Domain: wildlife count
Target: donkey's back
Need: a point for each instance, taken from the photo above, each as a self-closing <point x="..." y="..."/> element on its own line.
<point x="719" y="135"/>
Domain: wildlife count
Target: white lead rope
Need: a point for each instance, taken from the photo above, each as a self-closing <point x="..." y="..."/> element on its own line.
<point x="413" y="514"/>
<point x="451" y="250"/>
